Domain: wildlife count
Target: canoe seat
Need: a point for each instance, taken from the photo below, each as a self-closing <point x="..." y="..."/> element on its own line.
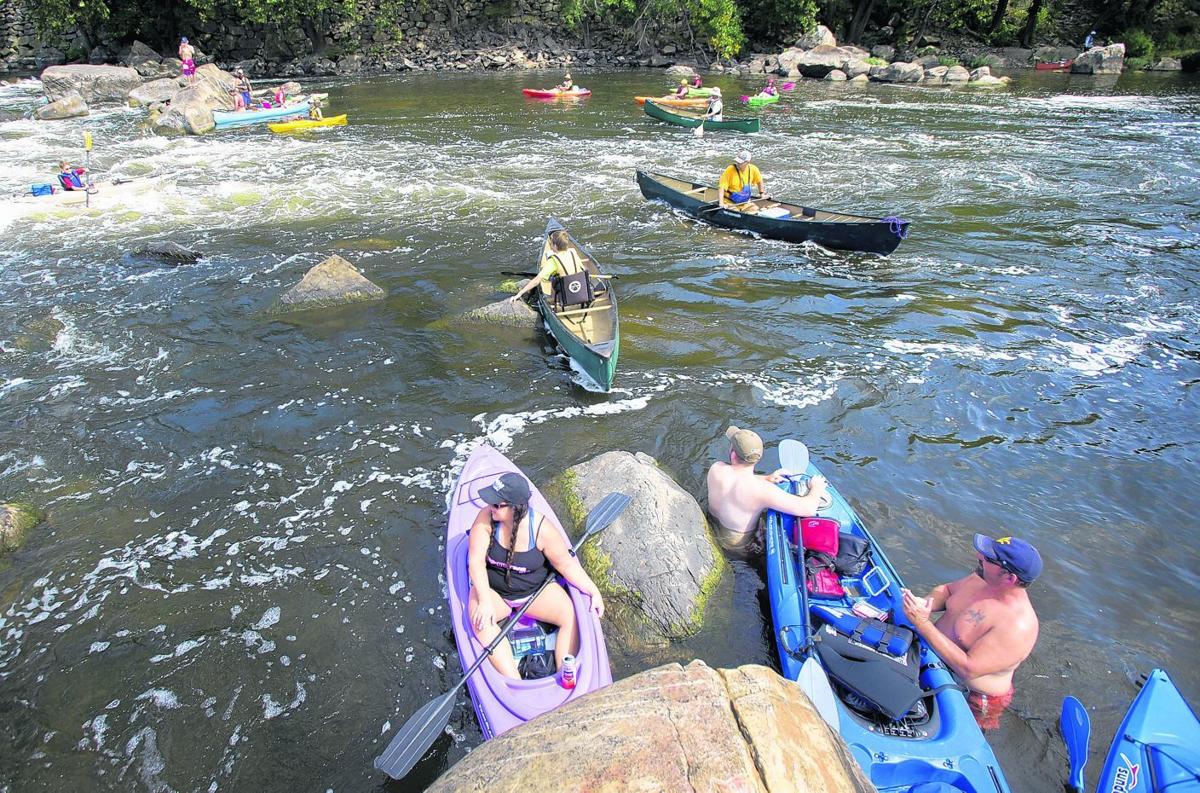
<point x="697" y="191"/>
<point x="578" y="311"/>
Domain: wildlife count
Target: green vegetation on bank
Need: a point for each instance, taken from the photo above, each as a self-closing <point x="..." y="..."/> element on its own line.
<point x="724" y="28"/>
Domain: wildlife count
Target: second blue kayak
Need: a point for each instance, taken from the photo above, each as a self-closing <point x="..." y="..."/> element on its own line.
<point x="920" y="730"/>
<point x="1157" y="747"/>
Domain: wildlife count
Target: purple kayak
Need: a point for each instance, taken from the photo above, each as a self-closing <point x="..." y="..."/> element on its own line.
<point x="501" y="702"/>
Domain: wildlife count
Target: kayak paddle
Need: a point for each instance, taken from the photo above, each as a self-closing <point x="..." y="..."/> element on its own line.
<point x="743" y="98"/>
<point x="793" y="455"/>
<point x="419" y="732"/>
<point x="699" y="131"/>
<point x="787" y="86"/>
<point x="1076" y="729"/>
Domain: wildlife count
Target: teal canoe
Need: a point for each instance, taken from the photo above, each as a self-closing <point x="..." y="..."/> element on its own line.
<point x="589" y="335"/>
<point x="238" y="118"/>
<point x="758" y="100"/>
<point x="682" y="119"/>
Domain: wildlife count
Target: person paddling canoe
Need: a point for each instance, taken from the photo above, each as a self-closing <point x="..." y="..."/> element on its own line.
<point x="738" y="180"/>
<point x="69" y="177"/>
<point x="509" y="556"/>
<point x="716" y="106"/>
<point x="562" y="262"/>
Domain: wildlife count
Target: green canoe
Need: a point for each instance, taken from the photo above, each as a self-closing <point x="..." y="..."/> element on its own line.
<point x="674" y="116"/>
<point x="591" y="335"/>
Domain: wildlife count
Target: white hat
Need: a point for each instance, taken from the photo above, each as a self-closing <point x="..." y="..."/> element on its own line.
<point x="742" y="158"/>
<point x="715" y="91"/>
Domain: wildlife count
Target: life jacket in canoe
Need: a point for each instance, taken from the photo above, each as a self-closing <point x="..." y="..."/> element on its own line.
<point x="743" y="194"/>
<point x="573" y="285"/>
<point x="71" y="180"/>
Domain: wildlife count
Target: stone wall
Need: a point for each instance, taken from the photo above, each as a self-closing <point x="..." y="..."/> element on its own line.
<point x="18" y="39"/>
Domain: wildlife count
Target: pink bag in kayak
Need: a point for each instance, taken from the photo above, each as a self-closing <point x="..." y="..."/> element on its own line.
<point x="821" y="580"/>
<point x="819" y="534"/>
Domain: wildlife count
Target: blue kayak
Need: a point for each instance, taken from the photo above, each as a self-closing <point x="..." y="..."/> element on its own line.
<point x="896" y="705"/>
<point x="1157" y="747"/>
<point x="236" y="118"/>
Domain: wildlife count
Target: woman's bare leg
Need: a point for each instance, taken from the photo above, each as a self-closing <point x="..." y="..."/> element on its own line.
<point x="554" y="606"/>
<point x="502" y="657"/>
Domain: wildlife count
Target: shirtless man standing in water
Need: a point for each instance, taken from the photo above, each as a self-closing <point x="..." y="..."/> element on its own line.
<point x="737" y="496"/>
<point x="989" y="626"/>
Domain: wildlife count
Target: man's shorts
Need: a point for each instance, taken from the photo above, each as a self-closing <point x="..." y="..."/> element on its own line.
<point x="988" y="707"/>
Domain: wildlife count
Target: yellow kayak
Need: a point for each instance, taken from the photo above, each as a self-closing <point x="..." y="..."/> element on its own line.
<point x="308" y="123"/>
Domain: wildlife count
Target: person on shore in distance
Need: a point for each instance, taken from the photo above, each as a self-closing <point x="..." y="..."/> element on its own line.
<point x="511" y="552"/>
<point x="567" y="84"/>
<point x="769" y="89"/>
<point x="682" y="91"/>
<point x="562" y="261"/>
<point x="187" y="54"/>
<point x="989" y="626"/>
<point x="715" y="110"/>
<point x="1090" y="40"/>
<point x="738" y="180"/>
<point x="737" y="496"/>
<point x="69" y="177"/>
<point x="242" y="86"/>
<point x="314" y="109"/>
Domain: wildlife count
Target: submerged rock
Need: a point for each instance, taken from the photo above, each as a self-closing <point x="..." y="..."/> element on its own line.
<point x="671" y="728"/>
<point x="168" y="252"/>
<point x="332" y="282"/>
<point x="658" y="560"/>
<point x="502" y="312"/>
<point x="16" y="519"/>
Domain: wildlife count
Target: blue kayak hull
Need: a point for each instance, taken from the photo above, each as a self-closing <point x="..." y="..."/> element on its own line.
<point x="1157" y="747"/>
<point x="946" y="746"/>
<point x="239" y="118"/>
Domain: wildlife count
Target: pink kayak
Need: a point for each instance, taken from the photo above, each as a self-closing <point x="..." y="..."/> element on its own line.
<point x="502" y="703"/>
<point x="554" y="93"/>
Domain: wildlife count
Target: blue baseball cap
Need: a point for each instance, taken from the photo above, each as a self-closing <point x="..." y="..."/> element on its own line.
<point x="510" y="488"/>
<point x="1016" y="556"/>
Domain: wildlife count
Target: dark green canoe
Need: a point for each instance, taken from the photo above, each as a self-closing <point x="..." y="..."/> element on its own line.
<point x="591" y="335"/>
<point x="683" y="119"/>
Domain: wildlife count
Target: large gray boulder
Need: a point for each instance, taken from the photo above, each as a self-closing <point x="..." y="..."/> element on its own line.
<point x="659" y="560"/>
<point x="898" y="72"/>
<point x="1166" y="65"/>
<point x="69" y="106"/>
<point x="853" y="67"/>
<point x="818" y="36"/>
<point x="140" y="53"/>
<point x="16" y="519"/>
<point x="332" y="282"/>
<point x="1016" y="57"/>
<point x="883" y="52"/>
<point x="816" y="62"/>
<point x="1100" y="60"/>
<point x="1050" y="54"/>
<point x="956" y="74"/>
<point x="190" y="110"/>
<point x="680" y="70"/>
<point x="154" y="91"/>
<point x="936" y="75"/>
<point x="501" y="312"/>
<point x="670" y="728"/>
<point x="94" y="83"/>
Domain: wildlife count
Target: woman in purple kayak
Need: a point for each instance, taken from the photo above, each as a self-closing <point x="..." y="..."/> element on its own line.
<point x="511" y="552"/>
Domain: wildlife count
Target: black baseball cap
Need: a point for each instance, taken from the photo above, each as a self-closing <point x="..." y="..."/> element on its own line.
<point x="510" y="488"/>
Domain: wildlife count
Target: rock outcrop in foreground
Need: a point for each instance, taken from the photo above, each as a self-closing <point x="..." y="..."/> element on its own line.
<point x="332" y="282"/>
<point x="673" y="728"/>
<point x="16" y="520"/>
<point x="658" y="559"/>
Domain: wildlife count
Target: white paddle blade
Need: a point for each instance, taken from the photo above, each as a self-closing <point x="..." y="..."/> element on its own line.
<point x="698" y="132"/>
<point x="793" y="455"/>
<point x="815" y="683"/>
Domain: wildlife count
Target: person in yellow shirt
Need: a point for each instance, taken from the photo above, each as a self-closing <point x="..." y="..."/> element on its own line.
<point x="738" y="180"/>
<point x="562" y="261"/>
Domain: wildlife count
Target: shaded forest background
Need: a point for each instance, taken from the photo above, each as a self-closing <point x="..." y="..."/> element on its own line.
<point x="725" y="28"/>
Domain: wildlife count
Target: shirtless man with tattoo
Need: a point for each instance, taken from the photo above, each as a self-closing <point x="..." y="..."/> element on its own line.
<point x="989" y="626"/>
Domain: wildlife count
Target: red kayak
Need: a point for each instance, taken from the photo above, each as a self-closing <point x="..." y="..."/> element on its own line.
<point x="554" y="93"/>
<point x="1054" y="66"/>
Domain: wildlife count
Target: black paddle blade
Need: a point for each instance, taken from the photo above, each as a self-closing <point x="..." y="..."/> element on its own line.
<point x="604" y="513"/>
<point x="416" y="736"/>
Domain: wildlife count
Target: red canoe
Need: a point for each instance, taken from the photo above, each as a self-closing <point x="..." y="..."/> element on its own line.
<point x="554" y="93"/>
<point x="1054" y="66"/>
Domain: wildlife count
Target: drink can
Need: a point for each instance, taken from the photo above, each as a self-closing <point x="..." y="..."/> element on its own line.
<point x="568" y="671"/>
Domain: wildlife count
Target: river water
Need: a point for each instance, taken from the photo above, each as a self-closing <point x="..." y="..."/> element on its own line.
<point x="240" y="582"/>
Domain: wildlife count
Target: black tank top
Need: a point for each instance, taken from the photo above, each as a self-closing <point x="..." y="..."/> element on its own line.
<point x="529" y="568"/>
